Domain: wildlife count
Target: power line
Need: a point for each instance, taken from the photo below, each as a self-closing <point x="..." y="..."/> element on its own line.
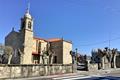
<point x="102" y="42"/>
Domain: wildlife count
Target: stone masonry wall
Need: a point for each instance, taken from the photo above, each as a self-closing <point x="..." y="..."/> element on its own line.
<point x="67" y="47"/>
<point x="92" y="67"/>
<point x="17" y="71"/>
<point x="57" y="47"/>
<point x="118" y="61"/>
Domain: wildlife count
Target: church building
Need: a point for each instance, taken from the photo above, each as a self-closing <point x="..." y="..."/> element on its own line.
<point x="32" y="48"/>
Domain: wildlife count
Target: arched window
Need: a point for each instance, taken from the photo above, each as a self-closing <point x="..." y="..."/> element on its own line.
<point x="29" y="25"/>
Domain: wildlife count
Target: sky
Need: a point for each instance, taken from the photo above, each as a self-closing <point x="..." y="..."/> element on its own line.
<point x="89" y="24"/>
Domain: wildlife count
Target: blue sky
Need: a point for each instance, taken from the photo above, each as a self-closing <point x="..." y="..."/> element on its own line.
<point x="87" y="23"/>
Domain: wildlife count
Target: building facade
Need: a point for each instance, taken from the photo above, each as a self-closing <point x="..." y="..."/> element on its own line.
<point x="32" y="48"/>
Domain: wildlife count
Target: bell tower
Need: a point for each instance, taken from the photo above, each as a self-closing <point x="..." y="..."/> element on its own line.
<point x="27" y="21"/>
<point x="26" y="39"/>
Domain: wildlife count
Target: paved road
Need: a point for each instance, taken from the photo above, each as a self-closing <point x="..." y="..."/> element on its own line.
<point x="110" y="74"/>
<point x="82" y="75"/>
<point x="100" y="78"/>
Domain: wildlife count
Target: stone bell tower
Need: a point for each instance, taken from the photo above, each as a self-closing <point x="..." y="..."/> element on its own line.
<point x="26" y="39"/>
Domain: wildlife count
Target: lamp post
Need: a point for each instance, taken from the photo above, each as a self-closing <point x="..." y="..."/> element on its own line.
<point x="76" y="54"/>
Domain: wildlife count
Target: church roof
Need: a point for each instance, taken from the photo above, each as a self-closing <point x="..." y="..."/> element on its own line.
<point x="54" y="39"/>
<point x="40" y="38"/>
<point x="58" y="39"/>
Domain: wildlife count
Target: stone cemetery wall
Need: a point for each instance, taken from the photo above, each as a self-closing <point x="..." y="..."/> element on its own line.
<point x="92" y="67"/>
<point x="118" y="61"/>
<point x="16" y="71"/>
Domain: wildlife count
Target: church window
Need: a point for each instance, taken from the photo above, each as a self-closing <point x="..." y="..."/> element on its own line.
<point x="29" y="25"/>
<point x="39" y="47"/>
